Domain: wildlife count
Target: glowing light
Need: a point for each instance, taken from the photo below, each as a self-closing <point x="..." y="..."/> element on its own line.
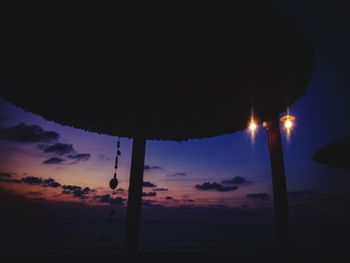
<point x="288" y="122"/>
<point x="253" y="128"/>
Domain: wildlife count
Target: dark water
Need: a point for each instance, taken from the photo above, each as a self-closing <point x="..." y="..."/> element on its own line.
<point x="57" y="236"/>
<point x="74" y="235"/>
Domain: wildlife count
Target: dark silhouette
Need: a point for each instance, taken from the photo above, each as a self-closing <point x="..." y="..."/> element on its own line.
<point x="184" y="73"/>
<point x="135" y="196"/>
<point x="334" y="154"/>
<point x="280" y="196"/>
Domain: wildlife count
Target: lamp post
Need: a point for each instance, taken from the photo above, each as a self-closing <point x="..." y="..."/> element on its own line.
<point x="280" y="196"/>
<point x="280" y="193"/>
<point x="132" y="227"/>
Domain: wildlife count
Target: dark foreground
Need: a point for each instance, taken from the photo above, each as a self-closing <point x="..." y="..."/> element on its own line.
<point x="165" y="241"/>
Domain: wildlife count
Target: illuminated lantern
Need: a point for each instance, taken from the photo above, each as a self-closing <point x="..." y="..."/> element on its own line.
<point x="288" y="122"/>
<point x="253" y="126"/>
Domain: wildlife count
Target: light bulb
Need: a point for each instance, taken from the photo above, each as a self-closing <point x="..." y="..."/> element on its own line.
<point x="288" y="124"/>
<point x="252" y="126"/>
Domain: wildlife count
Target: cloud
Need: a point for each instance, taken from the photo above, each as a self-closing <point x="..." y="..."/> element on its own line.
<point x="77" y="158"/>
<point x="80" y="157"/>
<point x="152" y="167"/>
<point x="215" y="186"/>
<point x="188" y="200"/>
<point x="53" y="160"/>
<point x="148" y="184"/>
<point x="5" y="175"/>
<point x="149" y="194"/>
<point x="160" y="189"/>
<point x="169" y="198"/>
<point x="88" y="190"/>
<point x="71" y="187"/>
<point x="235" y="180"/>
<point x="32" y="180"/>
<point x="10" y="180"/>
<point x="51" y="183"/>
<point x="150" y="203"/>
<point x="24" y="133"/>
<point x="177" y="174"/>
<point x="259" y="196"/>
<point x="58" y="148"/>
<point x="226" y="188"/>
<point x="107" y="198"/>
<point x="207" y="186"/>
<point x="77" y="191"/>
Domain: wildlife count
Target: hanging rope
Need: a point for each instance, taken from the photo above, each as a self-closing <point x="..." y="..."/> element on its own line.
<point x="113" y="183"/>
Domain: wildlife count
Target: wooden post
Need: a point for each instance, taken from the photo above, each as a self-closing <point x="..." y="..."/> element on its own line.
<point x="280" y="197"/>
<point x="132" y="225"/>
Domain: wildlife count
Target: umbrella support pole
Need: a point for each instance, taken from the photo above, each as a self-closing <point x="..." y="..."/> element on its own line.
<point x="280" y="197"/>
<point x="132" y="225"/>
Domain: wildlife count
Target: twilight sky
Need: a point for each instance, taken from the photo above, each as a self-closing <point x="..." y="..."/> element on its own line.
<point x="177" y="172"/>
<point x="202" y="194"/>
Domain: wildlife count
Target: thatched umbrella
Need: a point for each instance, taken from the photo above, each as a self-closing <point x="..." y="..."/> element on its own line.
<point x="334" y="154"/>
<point x="187" y="72"/>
